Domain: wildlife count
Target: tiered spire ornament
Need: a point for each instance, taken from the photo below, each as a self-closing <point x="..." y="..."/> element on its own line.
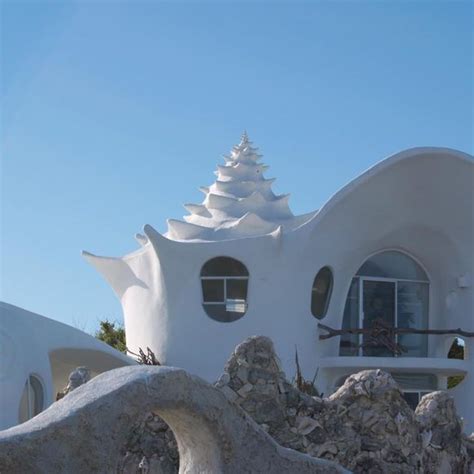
<point x="240" y="203"/>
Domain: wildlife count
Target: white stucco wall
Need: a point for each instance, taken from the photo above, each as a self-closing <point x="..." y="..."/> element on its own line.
<point x="27" y="340"/>
<point x="419" y="202"/>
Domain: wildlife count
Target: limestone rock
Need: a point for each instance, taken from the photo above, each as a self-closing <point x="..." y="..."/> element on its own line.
<point x="365" y="426"/>
<point x="85" y="431"/>
<point x="436" y="414"/>
<point x="77" y="377"/>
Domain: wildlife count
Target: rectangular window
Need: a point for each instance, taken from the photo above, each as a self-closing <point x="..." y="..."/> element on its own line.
<point x="378" y="306"/>
<point x="413" y="398"/>
<point x="412" y="307"/>
<point x="213" y="291"/>
<point x="236" y="289"/>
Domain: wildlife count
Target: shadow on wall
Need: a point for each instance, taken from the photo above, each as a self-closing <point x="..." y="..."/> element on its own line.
<point x="64" y="361"/>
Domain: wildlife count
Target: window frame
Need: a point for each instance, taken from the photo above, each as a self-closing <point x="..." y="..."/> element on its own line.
<point x="361" y="303"/>
<point x="29" y="388"/>
<point x="360" y="292"/>
<point x="226" y="279"/>
<point x="421" y="393"/>
<point x="328" y="294"/>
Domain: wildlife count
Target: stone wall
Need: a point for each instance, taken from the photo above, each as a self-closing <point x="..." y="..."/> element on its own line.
<point x="366" y="426"/>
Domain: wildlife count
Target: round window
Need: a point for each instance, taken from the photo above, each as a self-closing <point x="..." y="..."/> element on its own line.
<point x="321" y="293"/>
<point x="224" y="282"/>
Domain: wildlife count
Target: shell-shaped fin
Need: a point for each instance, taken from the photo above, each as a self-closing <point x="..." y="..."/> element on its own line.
<point x="197" y="209"/>
<point x="141" y="239"/>
<point x="116" y="272"/>
<point x="180" y="230"/>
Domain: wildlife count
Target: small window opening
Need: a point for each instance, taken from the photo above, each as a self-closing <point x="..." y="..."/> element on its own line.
<point x="224" y="283"/>
<point x="32" y="399"/>
<point x="321" y="293"/>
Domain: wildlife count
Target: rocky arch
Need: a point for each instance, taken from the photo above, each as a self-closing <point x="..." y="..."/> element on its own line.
<point x="84" y="431"/>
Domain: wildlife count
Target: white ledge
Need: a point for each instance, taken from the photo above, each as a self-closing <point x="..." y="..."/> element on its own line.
<point x="437" y="365"/>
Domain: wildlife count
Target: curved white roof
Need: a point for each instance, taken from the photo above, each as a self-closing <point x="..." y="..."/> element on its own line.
<point x="19" y="327"/>
<point x="391" y="163"/>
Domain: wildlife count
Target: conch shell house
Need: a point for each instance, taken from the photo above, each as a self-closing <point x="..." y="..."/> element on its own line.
<point x="379" y="277"/>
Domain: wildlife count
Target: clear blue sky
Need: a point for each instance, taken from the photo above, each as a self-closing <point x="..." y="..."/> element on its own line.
<point x="114" y="113"/>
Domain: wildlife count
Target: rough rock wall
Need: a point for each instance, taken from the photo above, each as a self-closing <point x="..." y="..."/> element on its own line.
<point x="365" y="426"/>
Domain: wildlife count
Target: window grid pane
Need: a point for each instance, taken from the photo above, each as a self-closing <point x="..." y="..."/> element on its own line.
<point x="411" y="303"/>
<point x="213" y="291"/>
<point x="236" y="289"/>
<point x="224" y="282"/>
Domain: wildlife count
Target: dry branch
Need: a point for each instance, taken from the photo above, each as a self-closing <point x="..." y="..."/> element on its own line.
<point x="338" y="332"/>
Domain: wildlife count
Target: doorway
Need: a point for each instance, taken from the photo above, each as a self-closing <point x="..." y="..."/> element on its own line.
<point x="378" y="302"/>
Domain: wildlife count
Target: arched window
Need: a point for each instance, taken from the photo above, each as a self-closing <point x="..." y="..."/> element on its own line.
<point x="224" y="283"/>
<point x="32" y="399"/>
<point x="321" y="293"/>
<point x="393" y="289"/>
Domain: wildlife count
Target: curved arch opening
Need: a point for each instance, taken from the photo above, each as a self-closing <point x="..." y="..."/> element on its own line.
<point x="64" y="361"/>
<point x="390" y="289"/>
<point x="321" y="292"/>
<point x="32" y="399"/>
<point x="224" y="283"/>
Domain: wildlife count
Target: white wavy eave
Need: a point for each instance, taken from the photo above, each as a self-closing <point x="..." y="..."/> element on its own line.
<point x="198" y="209"/>
<point x="256" y="202"/>
<point x="243" y="188"/>
<point x="249" y="156"/>
<point x="249" y="225"/>
<point x="240" y="171"/>
<point x="180" y="230"/>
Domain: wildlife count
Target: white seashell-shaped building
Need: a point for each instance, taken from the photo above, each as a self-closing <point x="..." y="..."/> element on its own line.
<point x="393" y="247"/>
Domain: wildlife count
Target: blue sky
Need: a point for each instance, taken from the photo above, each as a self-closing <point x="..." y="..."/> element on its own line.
<point x="114" y="113"/>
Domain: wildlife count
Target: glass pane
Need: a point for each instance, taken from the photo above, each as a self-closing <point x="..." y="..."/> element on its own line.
<point x="37" y="395"/>
<point x="235" y="306"/>
<point x="24" y="411"/>
<point x="224" y="266"/>
<point x="392" y="265"/>
<point x="213" y="290"/>
<point x="378" y="305"/>
<point x="218" y="312"/>
<point x="412" y="307"/>
<point x="412" y="398"/>
<point x="321" y="293"/>
<point x="349" y="342"/>
<point x="237" y="289"/>
<point x="416" y="381"/>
